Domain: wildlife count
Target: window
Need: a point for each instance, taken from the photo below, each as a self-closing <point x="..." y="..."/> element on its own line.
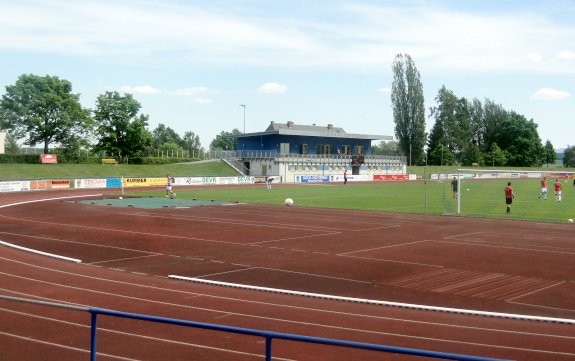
<point x="323" y="149"/>
<point x="346" y="149"/>
<point x="303" y="149"/>
<point x="359" y="149"/>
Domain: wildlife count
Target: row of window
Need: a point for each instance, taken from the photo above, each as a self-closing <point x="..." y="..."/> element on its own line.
<point x="327" y="149"/>
<point x="315" y="167"/>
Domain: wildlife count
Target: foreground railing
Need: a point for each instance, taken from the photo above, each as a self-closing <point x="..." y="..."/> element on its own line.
<point x="267" y="335"/>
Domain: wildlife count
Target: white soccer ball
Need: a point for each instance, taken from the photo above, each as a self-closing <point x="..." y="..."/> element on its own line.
<point x="289" y="202"/>
<point x="120" y="198"/>
<point x="468" y="189"/>
<point x="570" y="220"/>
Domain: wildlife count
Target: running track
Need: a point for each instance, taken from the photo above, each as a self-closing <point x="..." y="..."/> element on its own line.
<point x="127" y="254"/>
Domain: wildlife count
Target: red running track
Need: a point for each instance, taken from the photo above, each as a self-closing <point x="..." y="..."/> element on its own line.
<point x="127" y="253"/>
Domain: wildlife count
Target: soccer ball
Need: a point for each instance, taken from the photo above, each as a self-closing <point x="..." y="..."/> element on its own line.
<point x="120" y="198"/>
<point x="570" y="220"/>
<point x="289" y="202"/>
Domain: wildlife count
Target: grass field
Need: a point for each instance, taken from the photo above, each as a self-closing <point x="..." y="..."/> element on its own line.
<point x="484" y="199"/>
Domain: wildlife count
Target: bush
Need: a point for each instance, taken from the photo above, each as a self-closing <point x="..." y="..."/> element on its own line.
<point x="19" y="158"/>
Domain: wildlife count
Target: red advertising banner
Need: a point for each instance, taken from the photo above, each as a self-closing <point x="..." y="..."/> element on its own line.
<point x="48" y="159"/>
<point x="390" y="177"/>
<point x="60" y="183"/>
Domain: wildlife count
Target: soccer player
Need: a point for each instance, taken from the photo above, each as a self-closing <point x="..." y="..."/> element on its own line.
<point x="345" y="176"/>
<point x="454" y="187"/>
<point x="558" y="188"/>
<point x="169" y="183"/>
<point x="269" y="181"/>
<point x="509" y="195"/>
<point x="543" y="188"/>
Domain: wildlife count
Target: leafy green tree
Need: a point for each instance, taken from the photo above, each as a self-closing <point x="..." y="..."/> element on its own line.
<point x="495" y="157"/>
<point x="387" y="148"/>
<point x="519" y="138"/>
<point x="441" y="155"/>
<point x="408" y="108"/>
<point x="122" y="132"/>
<point x="43" y="110"/>
<point x="163" y="134"/>
<point x="569" y="157"/>
<point x="192" y="143"/>
<point x="11" y="143"/>
<point x="493" y="116"/>
<point x="549" y="153"/>
<point x="225" y="140"/>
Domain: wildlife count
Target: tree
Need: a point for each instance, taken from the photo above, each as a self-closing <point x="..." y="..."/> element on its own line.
<point x="408" y="108"/>
<point x="549" y="154"/>
<point x="387" y="148"/>
<point x="163" y="134"/>
<point x="192" y="143"/>
<point x="225" y="140"/>
<point x="43" y="110"/>
<point x="519" y="139"/>
<point x="569" y="157"/>
<point x="121" y="131"/>
<point x="496" y="157"/>
<point x="11" y="143"/>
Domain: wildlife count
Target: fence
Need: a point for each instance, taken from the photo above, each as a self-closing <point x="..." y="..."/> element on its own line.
<point x="267" y="335"/>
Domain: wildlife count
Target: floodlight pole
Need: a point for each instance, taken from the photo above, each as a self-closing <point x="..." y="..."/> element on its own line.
<point x="244" y="106"/>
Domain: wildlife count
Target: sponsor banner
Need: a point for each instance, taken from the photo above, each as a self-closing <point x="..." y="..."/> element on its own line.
<point x="14" y="186"/>
<point x="59" y="183"/>
<point x="312" y="178"/>
<point x="246" y="180"/>
<point x="260" y="179"/>
<point x="90" y="183"/>
<point x="227" y="180"/>
<point x="113" y="182"/>
<point x="144" y="182"/>
<point x="393" y="177"/>
<point x="48" y="159"/>
<point x="351" y="178"/>
<point x="188" y="181"/>
<point x="38" y="185"/>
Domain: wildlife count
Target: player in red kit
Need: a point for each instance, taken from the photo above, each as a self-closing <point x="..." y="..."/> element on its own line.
<point x="509" y="195"/>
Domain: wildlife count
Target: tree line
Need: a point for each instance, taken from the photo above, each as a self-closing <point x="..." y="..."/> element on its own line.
<point x="42" y="110"/>
<point x="465" y="132"/>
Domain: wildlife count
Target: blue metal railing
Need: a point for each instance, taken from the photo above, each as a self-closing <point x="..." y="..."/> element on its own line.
<point x="267" y="335"/>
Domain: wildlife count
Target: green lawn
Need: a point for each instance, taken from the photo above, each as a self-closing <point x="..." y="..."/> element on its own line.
<point x="484" y="198"/>
<point x="51" y="171"/>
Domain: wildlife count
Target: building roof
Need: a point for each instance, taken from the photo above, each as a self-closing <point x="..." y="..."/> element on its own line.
<point x="329" y="131"/>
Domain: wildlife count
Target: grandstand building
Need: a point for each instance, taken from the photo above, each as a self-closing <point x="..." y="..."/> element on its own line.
<point x="312" y="153"/>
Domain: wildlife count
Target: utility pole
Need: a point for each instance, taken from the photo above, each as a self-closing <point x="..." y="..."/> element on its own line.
<point x="244" y="106"/>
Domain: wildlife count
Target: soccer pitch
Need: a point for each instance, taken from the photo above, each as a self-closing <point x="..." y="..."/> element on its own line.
<point x="479" y="198"/>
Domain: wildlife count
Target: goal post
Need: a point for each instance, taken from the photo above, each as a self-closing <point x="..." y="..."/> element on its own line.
<point x="480" y="192"/>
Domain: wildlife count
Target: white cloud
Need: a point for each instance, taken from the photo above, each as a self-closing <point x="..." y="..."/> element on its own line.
<point x="193" y="91"/>
<point x="201" y="100"/>
<point x="384" y="90"/>
<point x="566" y="55"/>
<point x="352" y="36"/>
<point x="550" y="94"/>
<point x="272" y="88"/>
<point x="140" y="89"/>
<point x="534" y="57"/>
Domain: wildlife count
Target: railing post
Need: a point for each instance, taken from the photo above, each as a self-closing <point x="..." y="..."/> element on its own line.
<point x="93" y="328"/>
<point x="268" y="348"/>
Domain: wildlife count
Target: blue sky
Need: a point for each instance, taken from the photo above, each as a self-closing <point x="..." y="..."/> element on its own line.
<point x="192" y="63"/>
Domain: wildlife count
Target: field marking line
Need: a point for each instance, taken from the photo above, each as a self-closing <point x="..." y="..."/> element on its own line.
<point x="228" y="221"/>
<point x="377" y="302"/>
<point x="78" y="242"/>
<point x="57" y="345"/>
<point x="375" y="228"/>
<point x="103" y="329"/>
<point x="505" y="247"/>
<point x="124" y="259"/>
<point x="535" y="291"/>
<point x="315" y="275"/>
<point x="48" y="199"/>
<point x="252" y="301"/>
<point x="258" y="243"/>
<point x="382" y="247"/>
<point x="542" y="306"/>
<point x="392" y="261"/>
<point x="52" y="255"/>
<point x="228" y="272"/>
<point x="400" y="335"/>
<point x="466" y="283"/>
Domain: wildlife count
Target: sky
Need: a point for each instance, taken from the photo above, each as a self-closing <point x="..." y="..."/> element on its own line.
<point x="192" y="64"/>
